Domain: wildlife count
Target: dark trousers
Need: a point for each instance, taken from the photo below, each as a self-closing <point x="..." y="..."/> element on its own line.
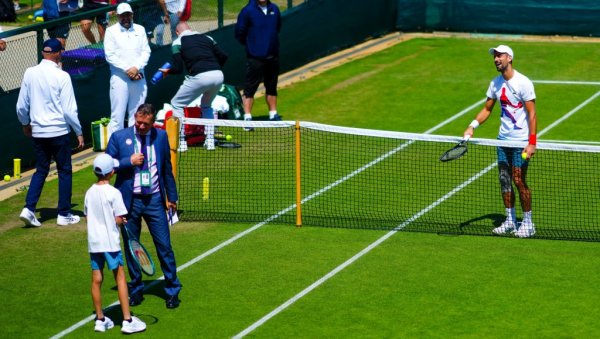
<point x="151" y="208"/>
<point x="45" y="149"/>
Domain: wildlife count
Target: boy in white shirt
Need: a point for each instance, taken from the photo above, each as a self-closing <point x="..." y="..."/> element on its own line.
<point x="105" y="211"/>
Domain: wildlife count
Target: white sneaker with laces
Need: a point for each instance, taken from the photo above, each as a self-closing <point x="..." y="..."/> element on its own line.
<point x="102" y="326"/>
<point x="29" y="218"/>
<point x="136" y="325"/>
<point x="69" y="219"/>
<point x="526" y="230"/>
<point x="506" y="227"/>
<point x="183" y="147"/>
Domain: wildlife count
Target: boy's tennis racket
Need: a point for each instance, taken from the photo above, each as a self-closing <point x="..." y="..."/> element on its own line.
<point x="140" y="254"/>
<point x="457" y="151"/>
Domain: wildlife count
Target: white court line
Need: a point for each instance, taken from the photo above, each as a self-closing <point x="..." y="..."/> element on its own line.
<point x="566" y="82"/>
<point x="275" y="216"/>
<point x="373" y="245"/>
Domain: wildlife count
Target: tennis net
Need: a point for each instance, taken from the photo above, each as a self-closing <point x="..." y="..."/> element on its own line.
<point x="359" y="178"/>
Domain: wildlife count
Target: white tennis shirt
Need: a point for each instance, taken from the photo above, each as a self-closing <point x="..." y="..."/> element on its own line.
<point x="102" y="204"/>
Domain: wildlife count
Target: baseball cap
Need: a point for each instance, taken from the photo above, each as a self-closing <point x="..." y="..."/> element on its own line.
<point x="103" y="164"/>
<point x="52" y="46"/>
<point x="124" y="8"/>
<point x="502" y="49"/>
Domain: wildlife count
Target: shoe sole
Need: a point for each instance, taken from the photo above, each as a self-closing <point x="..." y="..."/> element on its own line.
<point x="127" y="332"/>
<point x="28" y="222"/>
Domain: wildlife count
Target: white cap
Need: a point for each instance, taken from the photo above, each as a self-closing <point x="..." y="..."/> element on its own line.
<point x="124" y="8"/>
<point x="502" y="49"/>
<point x="103" y="164"/>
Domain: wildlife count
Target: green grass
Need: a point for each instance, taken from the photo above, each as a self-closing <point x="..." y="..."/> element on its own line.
<point x="412" y="285"/>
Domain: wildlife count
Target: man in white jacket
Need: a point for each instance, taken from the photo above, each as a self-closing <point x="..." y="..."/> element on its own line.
<point x="47" y="111"/>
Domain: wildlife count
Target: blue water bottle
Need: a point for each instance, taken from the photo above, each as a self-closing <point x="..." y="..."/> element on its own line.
<point x="159" y="75"/>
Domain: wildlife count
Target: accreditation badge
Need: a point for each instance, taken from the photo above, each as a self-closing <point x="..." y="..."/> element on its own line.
<point x="145" y="178"/>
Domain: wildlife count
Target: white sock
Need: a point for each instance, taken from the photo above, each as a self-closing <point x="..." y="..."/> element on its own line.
<point x="247" y="116"/>
<point x="527" y="216"/>
<point x="272" y="114"/>
<point x="511" y="214"/>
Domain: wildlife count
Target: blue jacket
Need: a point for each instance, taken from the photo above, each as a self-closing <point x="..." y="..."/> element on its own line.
<point x="259" y="32"/>
<point x="121" y="147"/>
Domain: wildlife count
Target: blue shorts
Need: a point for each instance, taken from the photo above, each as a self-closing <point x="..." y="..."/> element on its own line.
<point x="511" y="156"/>
<point x="112" y="259"/>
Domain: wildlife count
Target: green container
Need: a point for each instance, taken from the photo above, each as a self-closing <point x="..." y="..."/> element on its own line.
<point x="100" y="134"/>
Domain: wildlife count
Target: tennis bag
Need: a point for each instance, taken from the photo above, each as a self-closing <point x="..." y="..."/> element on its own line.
<point x="100" y="134"/>
<point x="194" y="134"/>
<point x="235" y="102"/>
<point x="7" y="11"/>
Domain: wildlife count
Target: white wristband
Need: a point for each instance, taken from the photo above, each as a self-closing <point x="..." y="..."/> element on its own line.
<point x="474" y="124"/>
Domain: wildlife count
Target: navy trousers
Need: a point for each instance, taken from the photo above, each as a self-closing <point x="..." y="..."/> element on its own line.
<point x="45" y="149"/>
<point x="151" y="209"/>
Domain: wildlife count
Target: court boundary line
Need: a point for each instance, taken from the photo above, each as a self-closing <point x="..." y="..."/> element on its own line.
<point x="379" y="241"/>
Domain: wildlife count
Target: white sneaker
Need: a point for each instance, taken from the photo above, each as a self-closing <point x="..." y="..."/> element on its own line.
<point x="183" y="147"/>
<point x="506" y="227"/>
<point x="102" y="326"/>
<point x="69" y="219"/>
<point x="248" y="129"/>
<point x="209" y="144"/>
<point x="526" y="230"/>
<point x="29" y="218"/>
<point x="136" y="325"/>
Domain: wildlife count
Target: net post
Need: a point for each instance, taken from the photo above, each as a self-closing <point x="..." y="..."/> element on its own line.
<point x="298" y="178"/>
<point x="172" y="127"/>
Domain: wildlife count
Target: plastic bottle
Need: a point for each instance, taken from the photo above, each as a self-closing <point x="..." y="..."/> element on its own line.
<point x="159" y="75"/>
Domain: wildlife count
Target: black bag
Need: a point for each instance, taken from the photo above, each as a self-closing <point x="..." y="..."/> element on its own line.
<point x="7" y="11"/>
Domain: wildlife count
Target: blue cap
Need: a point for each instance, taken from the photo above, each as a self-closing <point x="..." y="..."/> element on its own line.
<point x="52" y="46"/>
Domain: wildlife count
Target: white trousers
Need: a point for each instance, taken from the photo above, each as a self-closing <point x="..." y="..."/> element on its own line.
<point x="126" y="96"/>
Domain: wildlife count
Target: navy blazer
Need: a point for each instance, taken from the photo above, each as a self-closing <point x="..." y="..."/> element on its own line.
<point x="121" y="147"/>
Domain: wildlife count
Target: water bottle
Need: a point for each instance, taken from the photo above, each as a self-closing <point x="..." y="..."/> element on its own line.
<point x="159" y="75"/>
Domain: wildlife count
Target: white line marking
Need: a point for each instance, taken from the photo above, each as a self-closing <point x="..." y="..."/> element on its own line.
<point x="273" y="217"/>
<point x="373" y="245"/>
<point x="566" y="82"/>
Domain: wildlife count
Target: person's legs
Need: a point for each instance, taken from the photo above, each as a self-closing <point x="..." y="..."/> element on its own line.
<point x="43" y="155"/>
<point x="137" y="96"/>
<point x="97" y="278"/>
<point x="508" y="195"/>
<point x="118" y="102"/>
<point x="62" y="154"/>
<point x="271" y="72"/>
<point x="86" y="29"/>
<point x="254" y="76"/>
<point x="157" y="222"/>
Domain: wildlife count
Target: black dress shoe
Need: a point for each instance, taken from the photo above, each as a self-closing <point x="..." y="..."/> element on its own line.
<point x="135" y="299"/>
<point x="173" y="301"/>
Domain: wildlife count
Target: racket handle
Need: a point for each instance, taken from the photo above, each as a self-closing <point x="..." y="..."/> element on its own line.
<point x="466" y="137"/>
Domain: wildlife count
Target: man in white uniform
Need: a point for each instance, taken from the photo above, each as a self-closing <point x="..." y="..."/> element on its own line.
<point x="518" y="123"/>
<point x="127" y="52"/>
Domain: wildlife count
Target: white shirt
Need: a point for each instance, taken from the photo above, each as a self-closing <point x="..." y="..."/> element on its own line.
<point x="102" y="204"/>
<point x="126" y="48"/>
<point x="47" y="101"/>
<point x="512" y="96"/>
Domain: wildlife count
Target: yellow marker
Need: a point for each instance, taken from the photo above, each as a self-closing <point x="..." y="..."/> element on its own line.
<point x="17" y="168"/>
<point x="205" y="188"/>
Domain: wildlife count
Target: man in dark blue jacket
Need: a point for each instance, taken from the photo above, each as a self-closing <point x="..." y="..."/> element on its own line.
<point x="257" y="27"/>
<point x="145" y="179"/>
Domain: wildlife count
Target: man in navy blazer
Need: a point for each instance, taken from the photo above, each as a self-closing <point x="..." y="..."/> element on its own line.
<point x="145" y="179"/>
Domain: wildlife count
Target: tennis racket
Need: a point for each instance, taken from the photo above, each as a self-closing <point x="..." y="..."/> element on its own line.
<point x="140" y="254"/>
<point x="457" y="151"/>
<point x="228" y="144"/>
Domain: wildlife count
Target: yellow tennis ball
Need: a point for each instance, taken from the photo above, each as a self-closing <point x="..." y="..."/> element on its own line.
<point x="228" y="137"/>
<point x="524" y="155"/>
<point x="7" y="177"/>
<point x="39" y="19"/>
<point x="30" y="17"/>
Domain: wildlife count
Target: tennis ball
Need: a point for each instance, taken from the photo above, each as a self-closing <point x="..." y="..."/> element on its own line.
<point x="7" y="177"/>
<point x="228" y="137"/>
<point x="39" y="19"/>
<point x="524" y="155"/>
<point x="30" y="17"/>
